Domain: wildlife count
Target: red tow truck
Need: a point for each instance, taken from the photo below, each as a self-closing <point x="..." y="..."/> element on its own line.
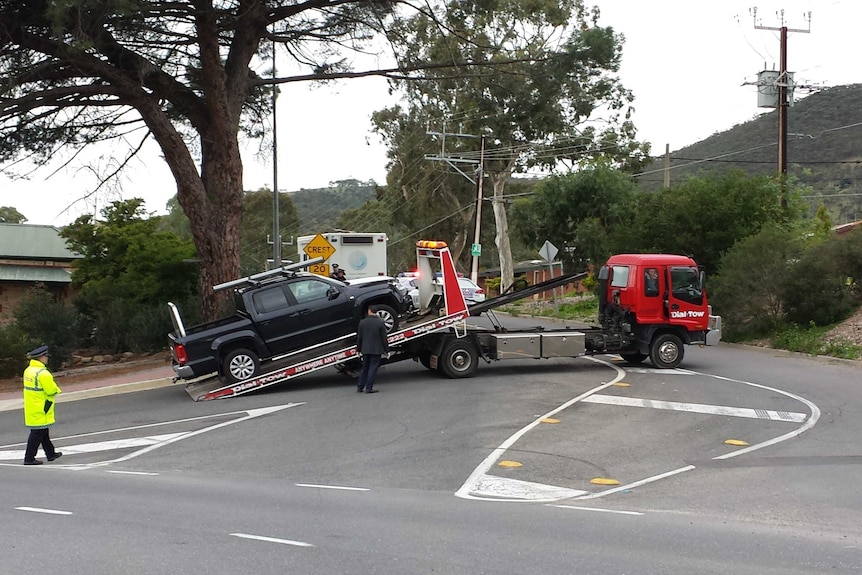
<point x="651" y="306"/>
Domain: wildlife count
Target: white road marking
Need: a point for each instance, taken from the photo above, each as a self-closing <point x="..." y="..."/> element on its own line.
<point x="40" y="510"/>
<point x="767" y="414"/>
<point x="479" y="485"/>
<point x="99" y="446"/>
<point x="272" y="540"/>
<point x="342" y="488"/>
<point x="629" y="486"/>
<point x="146" y="444"/>
<point x="811" y="422"/>
<point x="598" y="509"/>
<point x="473" y="487"/>
<point x="131" y="472"/>
<point x="513" y="490"/>
<point x="676" y="371"/>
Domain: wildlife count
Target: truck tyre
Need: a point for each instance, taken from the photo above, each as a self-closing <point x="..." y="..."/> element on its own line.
<point x="389" y="317"/>
<point x="459" y="359"/>
<point x="240" y="364"/>
<point x="666" y="351"/>
<point x="635" y="358"/>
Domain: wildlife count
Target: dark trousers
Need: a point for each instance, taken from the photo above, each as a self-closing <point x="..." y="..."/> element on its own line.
<point x="39" y="437"/>
<point x="370" y="363"/>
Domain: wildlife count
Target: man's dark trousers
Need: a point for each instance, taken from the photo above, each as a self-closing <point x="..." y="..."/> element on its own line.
<point x="370" y="363"/>
<point x="39" y="437"/>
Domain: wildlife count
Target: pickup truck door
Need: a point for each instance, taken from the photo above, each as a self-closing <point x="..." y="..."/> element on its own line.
<point x="273" y="311"/>
<point x="319" y="312"/>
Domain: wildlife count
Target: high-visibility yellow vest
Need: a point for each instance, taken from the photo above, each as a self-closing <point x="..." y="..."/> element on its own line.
<point x="39" y="387"/>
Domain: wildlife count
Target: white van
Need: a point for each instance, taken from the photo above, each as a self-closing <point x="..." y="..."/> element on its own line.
<point x="358" y="254"/>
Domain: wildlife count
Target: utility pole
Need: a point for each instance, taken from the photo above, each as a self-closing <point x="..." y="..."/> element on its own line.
<point x="667" y="166"/>
<point x="783" y="82"/>
<point x="276" y="232"/>
<point x="474" y="270"/>
<point x="452" y="161"/>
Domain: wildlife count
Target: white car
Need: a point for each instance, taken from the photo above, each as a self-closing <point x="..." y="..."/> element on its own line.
<point x="472" y="292"/>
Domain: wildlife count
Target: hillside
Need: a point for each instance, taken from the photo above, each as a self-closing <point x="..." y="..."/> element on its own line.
<point x="318" y="209"/>
<point x="823" y="149"/>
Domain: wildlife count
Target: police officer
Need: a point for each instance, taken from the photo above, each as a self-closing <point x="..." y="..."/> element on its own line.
<point x="337" y="273"/>
<point x="39" y="393"/>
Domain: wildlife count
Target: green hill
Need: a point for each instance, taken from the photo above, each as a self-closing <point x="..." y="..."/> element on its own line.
<point x="318" y="209"/>
<point x="823" y="151"/>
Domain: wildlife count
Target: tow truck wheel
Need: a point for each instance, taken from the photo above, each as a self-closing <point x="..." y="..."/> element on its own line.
<point x="635" y="357"/>
<point x="389" y="317"/>
<point x="666" y="351"/>
<point x="459" y="359"/>
<point x="240" y="364"/>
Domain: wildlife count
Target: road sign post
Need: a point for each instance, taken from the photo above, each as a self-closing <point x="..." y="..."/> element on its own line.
<point x="548" y="251"/>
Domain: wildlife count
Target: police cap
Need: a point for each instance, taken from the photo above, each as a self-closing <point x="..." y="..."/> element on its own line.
<point x="38" y="352"/>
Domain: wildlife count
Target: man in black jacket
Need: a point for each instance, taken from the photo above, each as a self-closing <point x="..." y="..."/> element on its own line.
<point x="371" y="343"/>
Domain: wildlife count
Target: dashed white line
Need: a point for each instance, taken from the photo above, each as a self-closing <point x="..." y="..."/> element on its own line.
<point x="338" y="487"/>
<point x="40" y="510"/>
<point x="272" y="540"/>
<point x="132" y="472"/>
<point x="598" y="509"/>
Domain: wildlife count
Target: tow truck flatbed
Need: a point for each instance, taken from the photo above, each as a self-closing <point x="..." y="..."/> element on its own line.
<point x="311" y="359"/>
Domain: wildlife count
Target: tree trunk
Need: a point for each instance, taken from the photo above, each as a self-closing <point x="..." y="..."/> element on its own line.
<point x="501" y="239"/>
<point x="216" y="232"/>
<point x="212" y="200"/>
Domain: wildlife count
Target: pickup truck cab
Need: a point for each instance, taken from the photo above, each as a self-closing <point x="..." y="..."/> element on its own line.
<point x="276" y="316"/>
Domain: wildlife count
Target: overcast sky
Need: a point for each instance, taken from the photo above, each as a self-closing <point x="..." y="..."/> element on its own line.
<point x="685" y="60"/>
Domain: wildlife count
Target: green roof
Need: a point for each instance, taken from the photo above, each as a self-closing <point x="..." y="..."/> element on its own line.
<point x="35" y="274"/>
<point x="33" y="242"/>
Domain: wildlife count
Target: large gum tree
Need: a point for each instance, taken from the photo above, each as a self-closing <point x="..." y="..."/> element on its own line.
<point x="538" y="79"/>
<point x="184" y="73"/>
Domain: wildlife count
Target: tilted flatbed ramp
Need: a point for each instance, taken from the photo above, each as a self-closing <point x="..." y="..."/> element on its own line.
<point x="313" y="359"/>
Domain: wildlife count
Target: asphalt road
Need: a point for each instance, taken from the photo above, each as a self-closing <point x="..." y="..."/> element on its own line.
<point x="567" y="466"/>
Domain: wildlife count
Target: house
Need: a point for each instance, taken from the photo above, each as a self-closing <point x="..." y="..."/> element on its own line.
<point x="32" y="255"/>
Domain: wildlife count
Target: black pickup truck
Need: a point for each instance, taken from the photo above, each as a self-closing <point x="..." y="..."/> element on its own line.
<point x="277" y="316"/>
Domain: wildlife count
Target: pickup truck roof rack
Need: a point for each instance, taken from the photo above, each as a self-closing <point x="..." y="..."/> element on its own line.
<point x="257" y="279"/>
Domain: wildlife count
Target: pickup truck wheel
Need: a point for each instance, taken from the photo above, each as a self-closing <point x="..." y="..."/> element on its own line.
<point x="239" y="365"/>
<point x="666" y="351"/>
<point x="635" y="357"/>
<point x="389" y="317"/>
<point x="459" y="359"/>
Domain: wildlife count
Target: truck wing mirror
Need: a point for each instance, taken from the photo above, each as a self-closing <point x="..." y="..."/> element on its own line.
<point x="332" y="293"/>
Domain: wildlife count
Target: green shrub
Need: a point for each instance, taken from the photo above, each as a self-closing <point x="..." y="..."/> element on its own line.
<point x="14" y="345"/>
<point x="42" y="319"/>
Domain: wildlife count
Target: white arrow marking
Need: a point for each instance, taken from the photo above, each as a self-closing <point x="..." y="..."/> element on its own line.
<point x="99" y="446"/>
<point x="146" y="444"/>
<point x="251" y="414"/>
